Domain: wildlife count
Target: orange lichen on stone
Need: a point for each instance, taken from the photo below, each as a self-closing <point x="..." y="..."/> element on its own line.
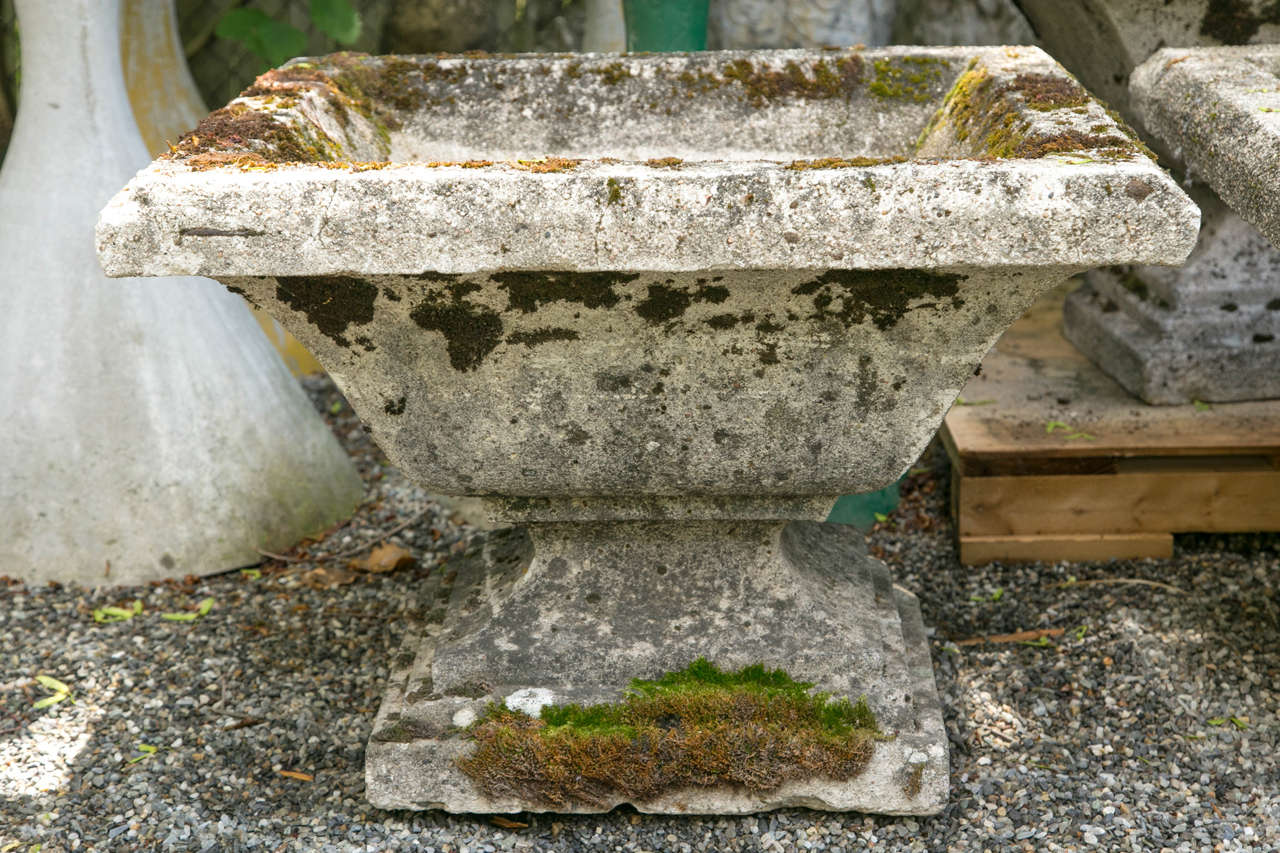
<point x="842" y="163"/>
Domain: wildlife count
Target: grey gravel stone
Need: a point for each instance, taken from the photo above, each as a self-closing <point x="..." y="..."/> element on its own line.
<point x="1140" y="683"/>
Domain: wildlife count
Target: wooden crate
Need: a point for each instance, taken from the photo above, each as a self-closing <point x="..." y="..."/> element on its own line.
<point x="1052" y="460"/>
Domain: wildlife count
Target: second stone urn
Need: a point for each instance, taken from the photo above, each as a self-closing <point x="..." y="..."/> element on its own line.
<point x="657" y="311"/>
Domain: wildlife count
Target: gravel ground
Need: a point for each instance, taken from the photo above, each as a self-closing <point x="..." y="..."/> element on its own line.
<point x="1150" y="723"/>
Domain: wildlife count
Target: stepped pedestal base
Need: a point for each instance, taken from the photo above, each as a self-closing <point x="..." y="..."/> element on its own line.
<point x="571" y="612"/>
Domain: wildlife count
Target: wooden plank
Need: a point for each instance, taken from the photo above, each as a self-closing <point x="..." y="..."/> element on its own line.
<point x="1144" y="502"/>
<point x="1034" y="376"/>
<point x="977" y="550"/>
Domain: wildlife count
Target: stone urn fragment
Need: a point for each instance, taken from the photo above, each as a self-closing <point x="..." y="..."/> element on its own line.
<point x="1172" y="336"/>
<point x="150" y="430"/>
<point x="1218" y="110"/>
<point x="658" y="311"/>
<point x="1209" y="331"/>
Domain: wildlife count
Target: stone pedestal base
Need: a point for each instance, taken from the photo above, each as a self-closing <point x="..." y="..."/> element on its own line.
<point x="571" y="612"/>
<point x="1207" y="331"/>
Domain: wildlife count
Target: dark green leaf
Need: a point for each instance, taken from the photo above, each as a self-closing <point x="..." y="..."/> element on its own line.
<point x="270" y="39"/>
<point x="240" y="24"/>
<point x="336" y="19"/>
<point x="278" y="42"/>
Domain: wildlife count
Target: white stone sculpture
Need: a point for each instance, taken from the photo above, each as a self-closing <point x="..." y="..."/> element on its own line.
<point x="149" y="428"/>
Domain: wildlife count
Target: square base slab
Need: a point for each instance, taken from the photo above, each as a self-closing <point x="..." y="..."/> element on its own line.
<point x="562" y="609"/>
<point x="1203" y="357"/>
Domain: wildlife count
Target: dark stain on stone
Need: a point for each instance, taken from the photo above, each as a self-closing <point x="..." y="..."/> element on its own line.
<point x="1137" y="189"/>
<point x="390" y="294"/>
<point x="769" y="354"/>
<point x="577" y="436"/>
<point x="331" y="302"/>
<point x="541" y="336"/>
<point x="167" y="561"/>
<point x="526" y="291"/>
<point x="220" y="232"/>
<point x="884" y="296"/>
<point x="1235" y="22"/>
<point x="470" y="331"/>
<point x="722" y="321"/>
<point x="866" y="381"/>
<point x="665" y="303"/>
<point x="367" y="343"/>
<point x="767" y="326"/>
<point x="723" y="436"/>
<point x="613" y="383"/>
<point x="394" y="407"/>
<point x="243" y="295"/>
<point x="406" y="731"/>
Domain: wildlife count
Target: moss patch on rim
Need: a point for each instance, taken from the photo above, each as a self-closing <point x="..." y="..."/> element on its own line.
<point x="991" y="112"/>
<point x="842" y="163"/>
<point x="697" y="727"/>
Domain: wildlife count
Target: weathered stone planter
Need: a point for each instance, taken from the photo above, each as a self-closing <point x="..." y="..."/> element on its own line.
<point x="737" y="286"/>
<point x="1172" y="336"/>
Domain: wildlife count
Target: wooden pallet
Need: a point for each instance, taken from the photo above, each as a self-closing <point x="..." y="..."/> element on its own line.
<point x="1052" y="460"/>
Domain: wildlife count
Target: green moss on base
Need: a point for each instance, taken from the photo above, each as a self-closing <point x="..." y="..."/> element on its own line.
<point x="698" y="727"/>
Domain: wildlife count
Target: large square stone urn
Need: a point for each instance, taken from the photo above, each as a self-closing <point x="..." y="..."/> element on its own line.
<point x="657" y="311"/>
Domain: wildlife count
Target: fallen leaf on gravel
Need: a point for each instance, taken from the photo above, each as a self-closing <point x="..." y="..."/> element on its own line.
<point x="505" y="823"/>
<point x="60" y="692"/>
<point x="327" y="577"/>
<point x="202" y="609"/>
<point x="1019" y="637"/>
<point x="117" y="614"/>
<point x="384" y="558"/>
<point x="294" y="774"/>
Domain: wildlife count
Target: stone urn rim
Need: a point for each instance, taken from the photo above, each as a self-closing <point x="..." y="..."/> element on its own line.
<point x="941" y="183"/>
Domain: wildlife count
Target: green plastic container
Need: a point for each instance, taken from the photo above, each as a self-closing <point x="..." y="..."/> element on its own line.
<point x="665" y="25"/>
<point x="860" y="510"/>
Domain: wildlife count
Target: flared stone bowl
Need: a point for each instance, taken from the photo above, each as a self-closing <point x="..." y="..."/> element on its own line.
<point x="753" y="281"/>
